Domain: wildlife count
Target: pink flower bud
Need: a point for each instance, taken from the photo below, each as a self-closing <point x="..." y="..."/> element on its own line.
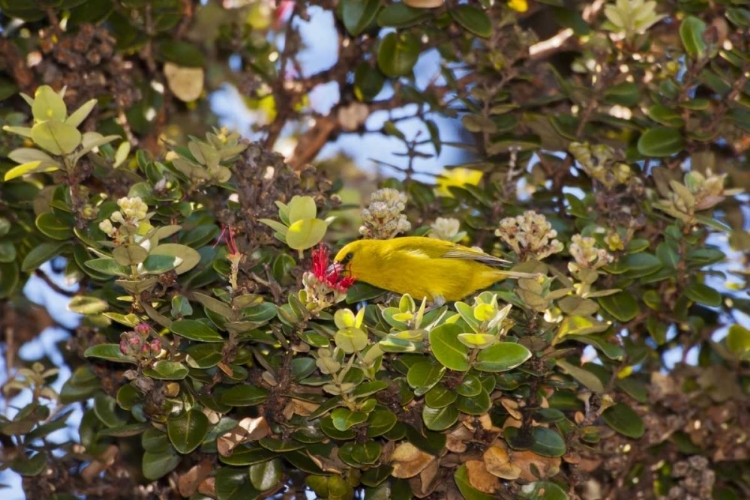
<point x="156" y="346"/>
<point x="142" y="328"/>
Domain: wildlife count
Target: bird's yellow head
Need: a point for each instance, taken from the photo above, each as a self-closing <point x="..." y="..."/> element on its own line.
<point x="357" y="259"/>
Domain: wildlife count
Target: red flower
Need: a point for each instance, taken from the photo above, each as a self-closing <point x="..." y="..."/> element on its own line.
<point x="329" y="274"/>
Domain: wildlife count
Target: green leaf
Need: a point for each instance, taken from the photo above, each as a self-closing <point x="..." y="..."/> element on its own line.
<point x="738" y="339"/>
<point x="7" y="89"/>
<point x="547" y="442"/>
<point x="243" y="395"/>
<point x="469" y="387"/>
<point x="439" y="419"/>
<point x="379" y="422"/>
<point x="657" y="329"/>
<point x="424" y="375"/>
<point x="640" y="264"/>
<point x="79" y="115"/>
<point x="166" y="370"/>
<point x="107" y="265"/>
<point x="692" y="30"/>
<point x="9" y="278"/>
<point x="158" y="264"/>
<point x="624" y="420"/>
<point x="110" y="352"/>
<point x="357" y="15"/>
<point x="56" y="137"/>
<point x="204" y="355"/>
<point x="266" y="475"/>
<point x="665" y="116"/>
<point x="344" y="419"/>
<point x="358" y="454"/>
<point x="187" y="430"/>
<point x="129" y="254"/>
<point x="351" y="340"/>
<point x="190" y="257"/>
<point x="158" y="464"/>
<point x="127" y="430"/>
<point x="361" y="291"/>
<point x="447" y="349"/>
<point x="195" y="330"/>
<point x="585" y="377"/>
<point x="440" y="397"/>
<point x="48" y="105"/>
<point x="501" y="357"/>
<point x="400" y="15"/>
<point x="86" y="304"/>
<point x="368" y="81"/>
<point x="7" y="252"/>
<point x="475" y="405"/>
<point x="248" y="455"/>
<point x="57" y="226"/>
<point x="305" y="233"/>
<point x="612" y="351"/>
<point x="397" y="54"/>
<point x="301" y="208"/>
<point x="25" y="155"/>
<point x="40" y="254"/>
<point x="30" y="466"/>
<point x="106" y="410"/>
<point x="738" y="16"/>
<point x="234" y="484"/>
<point x="181" y="53"/>
<point x="661" y="141"/>
<point x="472" y="19"/>
<point x="542" y="490"/>
<point x="624" y="94"/>
<point x="622" y="305"/>
<point x="302" y="368"/>
<point x="703" y="294"/>
<point x="260" y="313"/>
<point x="32" y="167"/>
<point x="5" y="226"/>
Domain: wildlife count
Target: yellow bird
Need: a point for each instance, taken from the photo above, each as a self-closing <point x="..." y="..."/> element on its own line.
<point x="423" y="267"/>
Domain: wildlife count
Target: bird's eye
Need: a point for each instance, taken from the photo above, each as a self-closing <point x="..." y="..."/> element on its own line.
<point x="347" y="258"/>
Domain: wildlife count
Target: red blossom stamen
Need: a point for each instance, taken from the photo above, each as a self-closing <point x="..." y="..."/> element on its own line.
<point x="320" y="262"/>
<point x="329" y="274"/>
<point x="227" y="234"/>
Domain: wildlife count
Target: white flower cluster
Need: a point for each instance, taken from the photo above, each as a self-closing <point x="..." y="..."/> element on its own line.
<point x="383" y="219"/>
<point x="587" y="256"/>
<point x="446" y="228"/>
<point x="132" y="212"/>
<point x="529" y="235"/>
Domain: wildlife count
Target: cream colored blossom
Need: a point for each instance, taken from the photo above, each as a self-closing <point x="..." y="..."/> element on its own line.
<point x="383" y="219"/>
<point x="529" y="235"/>
<point x="446" y="228"/>
<point x="586" y="254"/>
<point x="107" y="227"/>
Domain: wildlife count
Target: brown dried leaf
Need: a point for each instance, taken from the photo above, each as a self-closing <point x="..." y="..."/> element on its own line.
<point x="248" y="429"/>
<point x="546" y="466"/>
<point x="408" y="461"/>
<point x="480" y="478"/>
<point x="208" y="487"/>
<point x="304" y="408"/>
<point x="486" y="422"/>
<point x="102" y="462"/>
<point x="497" y="462"/>
<point x="429" y="477"/>
<point x="188" y="482"/>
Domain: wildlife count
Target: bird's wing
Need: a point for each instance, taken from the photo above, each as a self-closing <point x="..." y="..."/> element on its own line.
<point x="419" y="246"/>
<point x="464" y="253"/>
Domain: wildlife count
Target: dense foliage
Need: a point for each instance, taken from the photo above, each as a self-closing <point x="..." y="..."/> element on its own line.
<point x="218" y="356"/>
